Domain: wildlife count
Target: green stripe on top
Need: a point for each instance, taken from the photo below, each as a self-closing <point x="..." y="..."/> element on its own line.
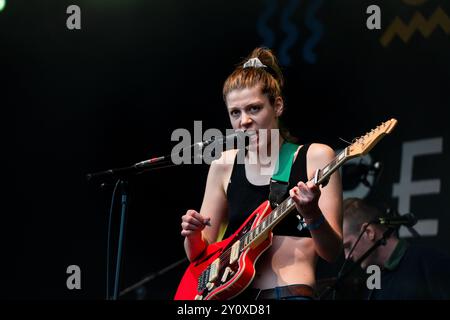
<point x="285" y="160"/>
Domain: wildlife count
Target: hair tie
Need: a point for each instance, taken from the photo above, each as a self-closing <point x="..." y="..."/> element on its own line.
<point x="254" y="63"/>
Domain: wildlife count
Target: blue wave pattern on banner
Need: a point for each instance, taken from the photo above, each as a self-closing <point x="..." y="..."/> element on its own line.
<point x="263" y="29"/>
<point x="291" y="32"/>
<point x="317" y="31"/>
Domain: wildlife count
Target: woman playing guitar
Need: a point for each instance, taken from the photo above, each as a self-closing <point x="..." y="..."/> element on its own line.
<point x="286" y="270"/>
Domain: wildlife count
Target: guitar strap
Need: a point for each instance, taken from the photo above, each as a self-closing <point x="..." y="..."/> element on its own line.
<point x="279" y="182"/>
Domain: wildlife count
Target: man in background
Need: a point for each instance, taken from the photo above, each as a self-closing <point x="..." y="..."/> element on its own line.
<point x="408" y="271"/>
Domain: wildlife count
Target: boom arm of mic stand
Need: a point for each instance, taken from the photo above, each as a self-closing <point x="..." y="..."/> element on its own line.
<point x="140" y="167"/>
<point x="131" y="170"/>
<point x="154" y="163"/>
<point x="413" y="232"/>
<point x="152" y="276"/>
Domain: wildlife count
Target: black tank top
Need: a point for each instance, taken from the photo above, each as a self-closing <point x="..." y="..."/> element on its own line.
<point x="244" y="197"/>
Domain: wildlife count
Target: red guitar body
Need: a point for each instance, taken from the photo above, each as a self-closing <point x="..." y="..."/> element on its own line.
<point x="196" y="285"/>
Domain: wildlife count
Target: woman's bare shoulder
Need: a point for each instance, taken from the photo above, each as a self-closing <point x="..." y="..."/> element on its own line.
<point x="319" y="152"/>
<point x="318" y="156"/>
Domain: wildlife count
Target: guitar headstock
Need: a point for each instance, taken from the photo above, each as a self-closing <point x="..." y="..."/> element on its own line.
<point x="364" y="144"/>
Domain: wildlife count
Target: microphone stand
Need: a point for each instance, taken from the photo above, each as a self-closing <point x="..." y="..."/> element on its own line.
<point x="342" y="276"/>
<point x="122" y="174"/>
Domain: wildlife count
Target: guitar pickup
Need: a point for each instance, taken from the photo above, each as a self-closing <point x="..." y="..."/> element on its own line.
<point x="226" y="273"/>
<point x="234" y="256"/>
<point x="214" y="270"/>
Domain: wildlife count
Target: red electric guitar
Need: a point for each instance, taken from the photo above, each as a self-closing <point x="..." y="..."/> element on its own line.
<point x="226" y="268"/>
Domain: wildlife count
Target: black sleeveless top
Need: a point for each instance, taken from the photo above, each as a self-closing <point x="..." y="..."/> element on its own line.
<point x="244" y="197"/>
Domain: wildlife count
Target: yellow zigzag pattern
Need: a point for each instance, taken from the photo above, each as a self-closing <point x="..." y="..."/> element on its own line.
<point x="418" y="22"/>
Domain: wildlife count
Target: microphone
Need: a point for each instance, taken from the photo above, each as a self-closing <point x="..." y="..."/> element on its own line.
<point x="239" y="138"/>
<point x="407" y="220"/>
<point x="230" y="140"/>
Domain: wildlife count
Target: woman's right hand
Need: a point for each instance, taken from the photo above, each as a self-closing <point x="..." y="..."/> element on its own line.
<point x="193" y="223"/>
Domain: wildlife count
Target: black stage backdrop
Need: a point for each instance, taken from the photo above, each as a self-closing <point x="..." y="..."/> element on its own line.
<point x="112" y="93"/>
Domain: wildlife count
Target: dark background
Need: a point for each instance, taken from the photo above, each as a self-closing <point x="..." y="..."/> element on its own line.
<point x="111" y="94"/>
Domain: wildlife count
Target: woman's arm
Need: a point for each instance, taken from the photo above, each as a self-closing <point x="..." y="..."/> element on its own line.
<point x="208" y="226"/>
<point x="313" y="202"/>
